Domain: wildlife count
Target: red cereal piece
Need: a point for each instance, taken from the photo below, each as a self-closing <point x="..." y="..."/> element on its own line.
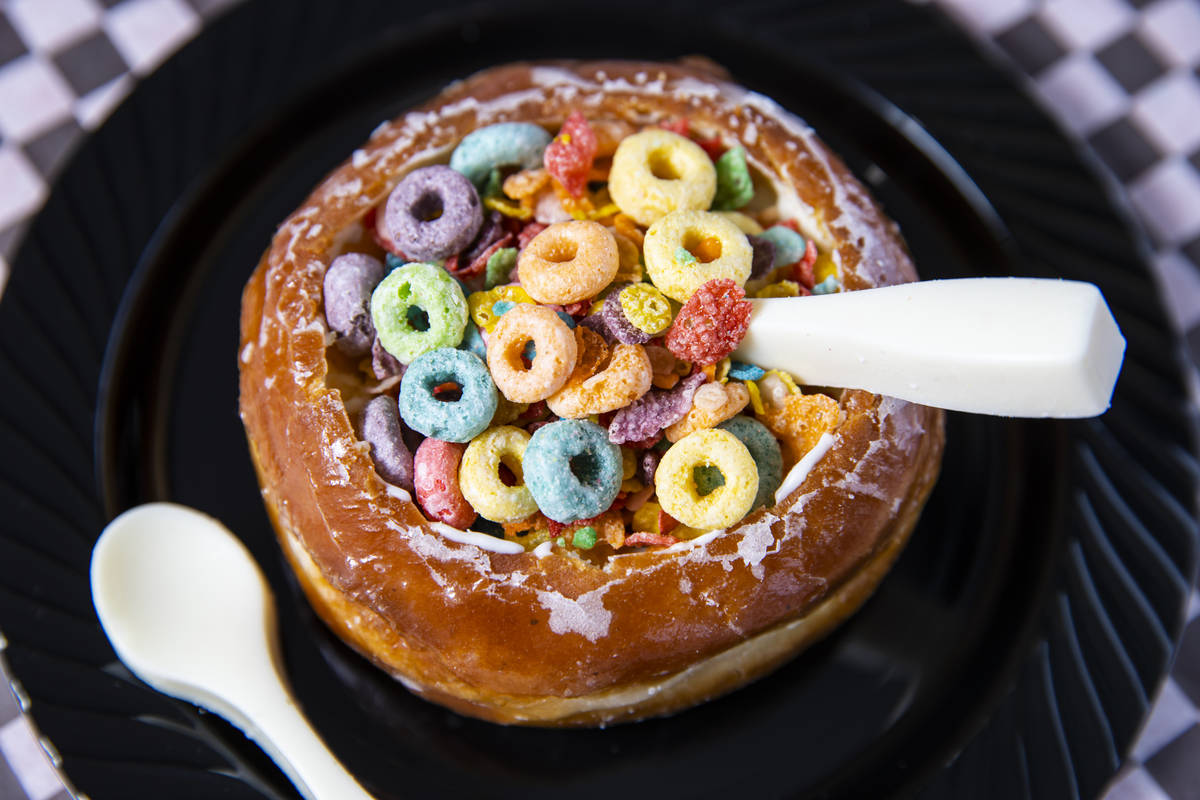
<point x="711" y="323"/>
<point x="790" y="223"/>
<point x="645" y="538"/>
<point x="569" y="157"/>
<point x="713" y="147"/>
<point x="666" y="523"/>
<point x="479" y="264"/>
<point x="435" y="480"/>
<point x="802" y="270"/>
<point x="579" y="309"/>
<point x="528" y="232"/>
<point x="679" y="126"/>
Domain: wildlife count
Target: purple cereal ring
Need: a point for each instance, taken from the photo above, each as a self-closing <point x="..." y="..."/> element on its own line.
<point x="433" y="213"/>
<point x="435" y="475"/>
<point x="349" y="281"/>
<point x="617" y="323"/>
<point x="763" y="258"/>
<point x="381" y="430"/>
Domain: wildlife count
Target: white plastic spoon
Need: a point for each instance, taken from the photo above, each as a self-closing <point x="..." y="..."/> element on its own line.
<point x="1019" y="347"/>
<point x="189" y="612"/>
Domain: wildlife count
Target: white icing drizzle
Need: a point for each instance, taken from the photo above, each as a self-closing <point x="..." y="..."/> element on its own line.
<point x="544" y="549"/>
<point x="480" y="540"/>
<point x="799" y="472"/>
<point x="585" y="615"/>
<point x="398" y="492"/>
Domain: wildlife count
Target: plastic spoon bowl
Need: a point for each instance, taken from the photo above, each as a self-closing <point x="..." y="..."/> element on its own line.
<point x="189" y="612"/>
<point x="1018" y="347"/>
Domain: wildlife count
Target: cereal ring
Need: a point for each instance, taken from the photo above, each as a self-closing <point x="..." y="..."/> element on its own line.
<point x="349" y="281"/>
<point x="646" y="308"/>
<point x="711" y="323"/>
<point x="656" y="172"/>
<point x="505" y="144"/>
<point x="435" y="479"/>
<point x="380" y="424"/>
<point x="712" y="404"/>
<point x="418" y="308"/>
<point x="480" y="480"/>
<point x="572" y="469"/>
<point x="716" y="247"/>
<point x="447" y="419"/>
<point x="568" y="262"/>
<point x="432" y="213"/>
<point x="591" y="390"/>
<point x="557" y="353"/>
<point x="676" y="480"/>
<point x="764" y="449"/>
<point x="789" y="245"/>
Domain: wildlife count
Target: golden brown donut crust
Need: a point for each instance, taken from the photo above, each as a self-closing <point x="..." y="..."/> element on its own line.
<point x="556" y="639"/>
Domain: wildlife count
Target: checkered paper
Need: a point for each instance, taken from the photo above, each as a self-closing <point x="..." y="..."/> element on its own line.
<point x="1123" y="76"/>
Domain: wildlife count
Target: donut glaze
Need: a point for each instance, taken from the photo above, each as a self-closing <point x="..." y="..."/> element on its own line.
<point x="543" y="637"/>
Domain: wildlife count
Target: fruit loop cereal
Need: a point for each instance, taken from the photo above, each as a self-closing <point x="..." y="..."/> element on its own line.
<point x="572" y="469"/>
<point x="711" y="324"/>
<point x="568" y="262"/>
<point x="438" y="414"/>
<point x="725" y="503"/>
<point x="506" y="144"/>
<point x="480" y="475"/>
<point x="764" y="449"/>
<point x="418" y="308"/>
<point x="349" y="282"/>
<point x="435" y="478"/>
<point x="380" y="426"/>
<point x="656" y="172"/>
<point x="432" y="213"/>
<point x="686" y="249"/>
<point x="568" y="358"/>
<point x="555" y="346"/>
<point x="625" y="379"/>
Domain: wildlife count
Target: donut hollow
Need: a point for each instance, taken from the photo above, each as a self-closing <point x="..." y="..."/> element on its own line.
<point x="558" y="640"/>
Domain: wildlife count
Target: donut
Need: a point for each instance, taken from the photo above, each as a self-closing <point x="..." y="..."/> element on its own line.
<point x="469" y="593"/>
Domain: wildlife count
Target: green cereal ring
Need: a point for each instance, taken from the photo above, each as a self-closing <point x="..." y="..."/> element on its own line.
<point x="675" y="480"/>
<point x="735" y="188"/>
<point x="418" y="308"/>
<point x="715" y="246"/>
<point x="479" y="475"/>
<point x="764" y="449"/>
<point x="505" y="144"/>
<point x="655" y="172"/>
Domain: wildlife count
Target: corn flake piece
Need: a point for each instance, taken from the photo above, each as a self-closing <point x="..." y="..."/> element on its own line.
<point x="799" y="421"/>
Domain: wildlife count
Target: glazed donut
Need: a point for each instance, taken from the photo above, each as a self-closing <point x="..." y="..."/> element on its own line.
<point x="519" y="621"/>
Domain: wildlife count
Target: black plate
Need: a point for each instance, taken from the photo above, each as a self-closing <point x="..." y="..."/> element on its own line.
<point x="1010" y="653"/>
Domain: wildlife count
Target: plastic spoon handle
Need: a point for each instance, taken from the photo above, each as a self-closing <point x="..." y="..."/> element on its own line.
<point x="189" y="612"/>
<point x="1019" y="347"/>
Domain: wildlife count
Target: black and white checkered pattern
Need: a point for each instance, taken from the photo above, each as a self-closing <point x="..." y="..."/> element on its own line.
<point x="1123" y="76"/>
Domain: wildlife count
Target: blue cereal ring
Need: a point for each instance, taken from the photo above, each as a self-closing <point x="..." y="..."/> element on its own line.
<point x="449" y="420"/>
<point x="764" y="449"/>
<point x="572" y="469"/>
<point x="418" y="308"/>
<point x="505" y="144"/>
<point x="789" y="245"/>
<point x="472" y="341"/>
<point x="433" y="213"/>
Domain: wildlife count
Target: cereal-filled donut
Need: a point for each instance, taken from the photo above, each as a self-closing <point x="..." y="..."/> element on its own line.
<point x="490" y="380"/>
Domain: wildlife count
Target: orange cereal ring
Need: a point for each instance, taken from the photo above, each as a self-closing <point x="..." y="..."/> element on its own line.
<point x="712" y="404"/>
<point x="568" y="262"/>
<point x="556" y="353"/>
<point x="591" y="390"/>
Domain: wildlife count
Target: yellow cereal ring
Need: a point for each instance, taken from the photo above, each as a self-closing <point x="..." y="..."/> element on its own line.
<point x="656" y="172"/>
<point x="712" y="404"/>
<point x="646" y="308"/>
<point x="686" y="249"/>
<point x="746" y="223"/>
<point x="626" y="378"/>
<point x="480" y="304"/>
<point x="629" y="269"/>
<point x="568" y="262"/>
<point x="479" y="475"/>
<point x="555" y="347"/>
<point x="675" y="480"/>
